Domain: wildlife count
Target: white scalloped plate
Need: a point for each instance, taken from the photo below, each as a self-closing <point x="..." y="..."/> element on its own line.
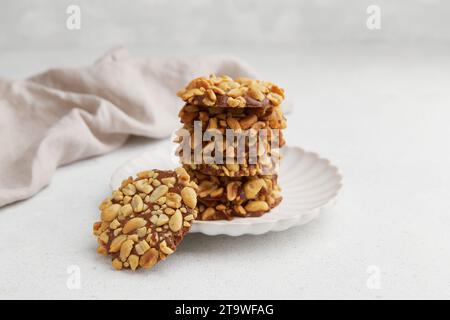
<point x="309" y="185"/>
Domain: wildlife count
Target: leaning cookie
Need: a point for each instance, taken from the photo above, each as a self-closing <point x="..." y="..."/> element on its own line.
<point x="146" y="218"/>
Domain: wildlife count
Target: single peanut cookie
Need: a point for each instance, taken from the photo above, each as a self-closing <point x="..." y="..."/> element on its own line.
<point x="222" y="198"/>
<point x="267" y="167"/>
<point x="216" y="210"/>
<point x="234" y="118"/>
<point x="146" y="218"/>
<point x="269" y="138"/>
<point x="225" y="92"/>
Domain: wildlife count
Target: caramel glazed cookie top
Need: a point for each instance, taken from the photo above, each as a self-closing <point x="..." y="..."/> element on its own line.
<point x="146" y="218"/>
<point x="225" y="92"/>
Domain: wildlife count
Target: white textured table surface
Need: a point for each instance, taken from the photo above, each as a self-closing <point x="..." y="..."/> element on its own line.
<point x="381" y="115"/>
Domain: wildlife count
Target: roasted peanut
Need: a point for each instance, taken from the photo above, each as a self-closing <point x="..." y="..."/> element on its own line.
<point x="233" y="123"/>
<point x="158" y="192"/>
<point x="141" y="232"/>
<point x="111" y="212"/>
<point x="205" y="188"/>
<point x="232" y="102"/>
<point x="143" y="186"/>
<point x="169" y="211"/>
<point x="156" y="183"/>
<point x="126" y="210"/>
<point x="191" y="93"/>
<point x="162" y="220"/>
<point x="145" y="174"/>
<point x="217" y="193"/>
<point x="189" y="197"/>
<point x="133" y="224"/>
<point x="176" y="221"/>
<point x="114" y="224"/>
<point x="253" y="187"/>
<point x="211" y="95"/>
<point x="197" y="83"/>
<point x="129" y="190"/>
<point x="212" y="124"/>
<point x="133" y="261"/>
<point x="149" y="258"/>
<point x="96" y="227"/>
<point x="236" y="92"/>
<point x="102" y="250"/>
<point x="104" y="237"/>
<point x="258" y="125"/>
<point x="105" y="204"/>
<point x="142" y="247"/>
<point x="137" y="204"/>
<point x="117" y="264"/>
<point x="173" y="200"/>
<point x="168" y="181"/>
<point x="240" y="209"/>
<point x="125" y="249"/>
<point x="117" y="243"/>
<point x="117" y="195"/>
<point x="208" y="213"/>
<point x="248" y="121"/>
<point x="274" y="98"/>
<point x="221" y="207"/>
<point x="233" y="167"/>
<point x="183" y="176"/>
<point x="164" y="248"/>
<point x="208" y="102"/>
<point x="257" y="206"/>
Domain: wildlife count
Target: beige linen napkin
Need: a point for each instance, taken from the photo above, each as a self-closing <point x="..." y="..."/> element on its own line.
<point x="64" y="115"/>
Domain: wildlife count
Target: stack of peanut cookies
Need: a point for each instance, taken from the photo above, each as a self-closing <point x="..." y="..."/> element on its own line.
<point x="235" y="160"/>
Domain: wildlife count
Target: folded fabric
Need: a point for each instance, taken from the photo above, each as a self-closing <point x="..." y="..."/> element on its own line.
<point x="64" y="115"/>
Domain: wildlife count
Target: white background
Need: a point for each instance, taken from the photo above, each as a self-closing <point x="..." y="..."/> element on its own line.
<point x="375" y="102"/>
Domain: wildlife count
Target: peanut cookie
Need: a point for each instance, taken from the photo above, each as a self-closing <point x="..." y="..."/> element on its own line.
<point x="224" y="197"/>
<point x="146" y="218"/>
<point x="270" y="137"/>
<point x="227" y="211"/>
<point x="224" y="92"/>
<point x="268" y="166"/>
<point x="234" y="118"/>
